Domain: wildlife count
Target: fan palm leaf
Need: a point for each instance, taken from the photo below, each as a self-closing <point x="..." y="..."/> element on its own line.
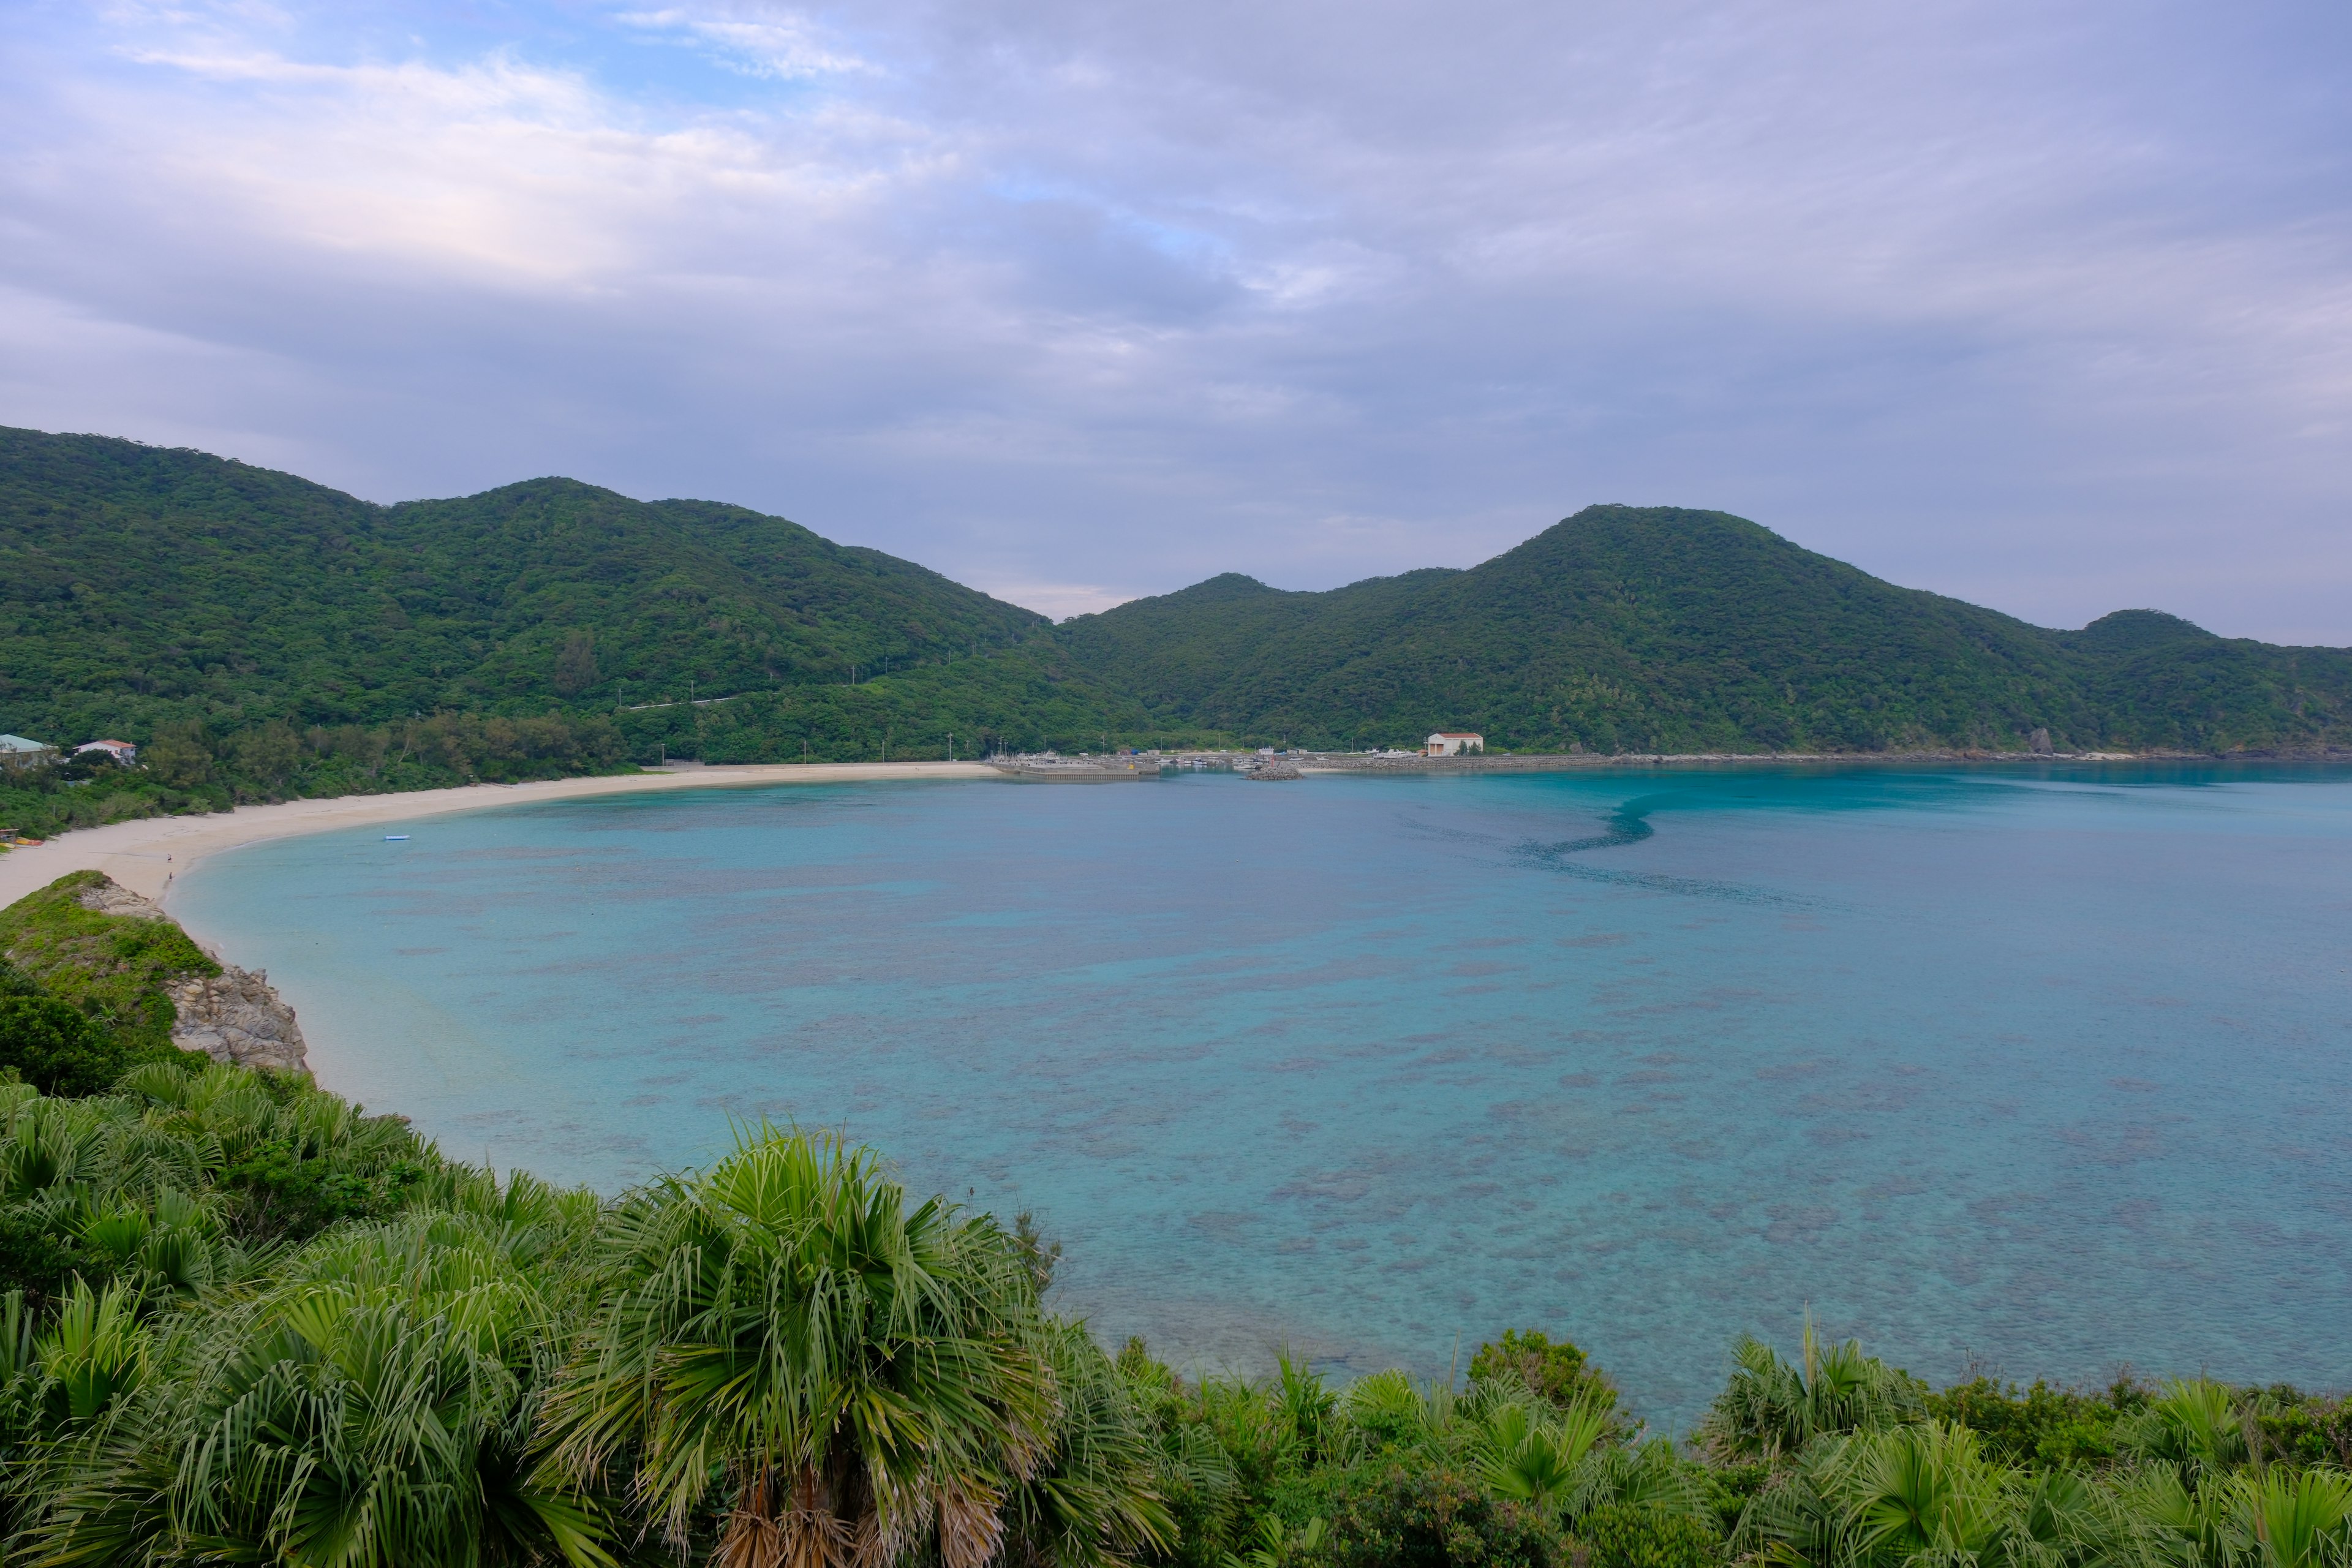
<point x="785" y="1344"/>
<point x="1771" y="1407"/>
<point x="2296" y="1518"/>
<point x="373" y="1408"/>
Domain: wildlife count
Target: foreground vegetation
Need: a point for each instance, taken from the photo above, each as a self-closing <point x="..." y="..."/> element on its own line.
<point x="242" y="1320"/>
<point x="268" y="1328"/>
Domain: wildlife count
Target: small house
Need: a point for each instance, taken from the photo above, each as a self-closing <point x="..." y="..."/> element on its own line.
<point x="122" y="752"/>
<point x="16" y="751"/>
<point x="1454" y="743"/>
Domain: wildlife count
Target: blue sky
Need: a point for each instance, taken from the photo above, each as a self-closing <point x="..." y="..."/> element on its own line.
<point x="2046" y="307"/>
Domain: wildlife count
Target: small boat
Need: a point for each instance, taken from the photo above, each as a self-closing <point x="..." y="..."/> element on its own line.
<point x="396" y="837"/>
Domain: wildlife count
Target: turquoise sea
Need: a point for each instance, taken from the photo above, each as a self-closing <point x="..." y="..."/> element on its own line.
<point x="2046" y="1067"/>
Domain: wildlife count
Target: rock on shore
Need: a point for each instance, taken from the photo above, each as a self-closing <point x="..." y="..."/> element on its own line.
<point x="237" y="1016"/>
<point x="232" y="1017"/>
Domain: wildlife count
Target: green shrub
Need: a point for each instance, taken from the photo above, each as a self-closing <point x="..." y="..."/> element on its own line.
<point x="57" y="1050"/>
<point x="2050" y="1426"/>
<point x="1556" y="1369"/>
<point x="2305" y="1429"/>
<point x="285" y="1192"/>
<point x="1731" y="1488"/>
<point x="33" y="1260"/>
<point x="116" y="968"/>
<point x="1632" y="1535"/>
<point x="1390" y="1516"/>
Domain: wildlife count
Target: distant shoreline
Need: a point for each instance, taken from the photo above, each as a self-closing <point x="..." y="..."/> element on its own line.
<point x="1570" y="762"/>
<point x="145" y="854"/>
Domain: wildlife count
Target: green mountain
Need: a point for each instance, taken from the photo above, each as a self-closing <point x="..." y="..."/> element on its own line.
<point x="1656" y="628"/>
<point x="262" y="636"/>
<point x="139" y="585"/>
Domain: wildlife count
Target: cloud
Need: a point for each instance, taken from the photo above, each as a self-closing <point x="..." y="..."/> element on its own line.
<point x="2047" y="310"/>
<point x="775" y="45"/>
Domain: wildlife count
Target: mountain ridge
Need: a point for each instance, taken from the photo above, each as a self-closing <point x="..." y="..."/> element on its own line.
<point x="145" y="589"/>
<point x="1662" y="628"/>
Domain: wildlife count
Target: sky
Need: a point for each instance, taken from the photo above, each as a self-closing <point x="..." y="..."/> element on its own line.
<point x="2046" y="307"/>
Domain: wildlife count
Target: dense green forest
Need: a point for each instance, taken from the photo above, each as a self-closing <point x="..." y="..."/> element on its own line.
<point x="242" y="1320"/>
<point x="1661" y="629"/>
<point x="144" y="585"/>
<point x="262" y="636"/>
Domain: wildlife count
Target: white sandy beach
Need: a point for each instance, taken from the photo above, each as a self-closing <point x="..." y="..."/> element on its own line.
<point x="144" y="856"/>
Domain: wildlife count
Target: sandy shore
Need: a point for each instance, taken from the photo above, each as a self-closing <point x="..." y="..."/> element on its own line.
<point x="144" y="856"/>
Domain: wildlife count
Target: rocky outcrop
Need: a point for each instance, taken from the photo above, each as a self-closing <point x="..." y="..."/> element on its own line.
<point x="237" y="1017"/>
<point x="109" y="897"/>
<point x="232" y="1017"/>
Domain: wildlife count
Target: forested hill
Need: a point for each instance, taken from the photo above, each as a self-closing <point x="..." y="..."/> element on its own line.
<point x="1657" y="628"/>
<point x="139" y="585"/>
<point x="266" y="636"/>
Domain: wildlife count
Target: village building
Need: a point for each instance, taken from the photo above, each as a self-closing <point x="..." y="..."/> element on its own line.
<point x="16" y="751"/>
<point x="122" y="752"/>
<point x="1454" y="743"/>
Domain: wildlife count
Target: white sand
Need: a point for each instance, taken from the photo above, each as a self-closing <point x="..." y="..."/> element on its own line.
<point x="144" y="856"/>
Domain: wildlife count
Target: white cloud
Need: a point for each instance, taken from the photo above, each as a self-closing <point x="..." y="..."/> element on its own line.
<point x="777" y="45"/>
<point x="2046" y="309"/>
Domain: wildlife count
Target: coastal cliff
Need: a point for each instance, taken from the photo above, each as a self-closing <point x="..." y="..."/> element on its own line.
<point x="125" y="962"/>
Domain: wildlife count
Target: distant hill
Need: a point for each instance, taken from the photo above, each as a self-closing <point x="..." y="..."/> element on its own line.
<point x="138" y="583"/>
<point x="281" y="638"/>
<point x="1657" y="628"/>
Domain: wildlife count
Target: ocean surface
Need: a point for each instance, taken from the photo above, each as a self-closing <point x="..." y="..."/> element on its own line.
<point x="2043" y="1069"/>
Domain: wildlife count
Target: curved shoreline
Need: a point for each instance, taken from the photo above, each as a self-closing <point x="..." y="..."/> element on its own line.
<point x="145" y="854"/>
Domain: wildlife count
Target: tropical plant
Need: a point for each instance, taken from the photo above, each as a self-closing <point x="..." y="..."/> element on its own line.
<point x="2296" y="1518"/>
<point x="1387" y="1409"/>
<point x="2193" y="1423"/>
<point x="372" y="1408"/>
<point x="1095" y="1498"/>
<point x="1306" y="1409"/>
<point x="93" y="1354"/>
<point x="1771" y="1407"/>
<point x="1923" y="1491"/>
<point x="1278" y="1545"/>
<point x="1556" y="1371"/>
<point x="54" y="1048"/>
<point x="1533" y="1460"/>
<point x="1195" y="1476"/>
<point x="790" y="1356"/>
<point x="1649" y="1475"/>
<point x="2182" y="1526"/>
<point x="1635" y="1535"/>
<point x="1390" y="1514"/>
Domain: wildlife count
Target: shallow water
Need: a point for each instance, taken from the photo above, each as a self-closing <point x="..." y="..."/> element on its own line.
<point x="2048" y="1066"/>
